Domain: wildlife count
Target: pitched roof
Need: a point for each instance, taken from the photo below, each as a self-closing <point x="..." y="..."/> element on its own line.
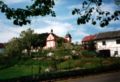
<point x="108" y="35"/>
<point x="88" y="38"/>
<point x="55" y="35"/>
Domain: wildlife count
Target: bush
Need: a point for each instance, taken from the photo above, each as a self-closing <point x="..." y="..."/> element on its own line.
<point x="87" y="53"/>
<point x="62" y="52"/>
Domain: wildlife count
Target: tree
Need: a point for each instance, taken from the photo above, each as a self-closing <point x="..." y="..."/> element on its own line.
<point x="14" y="48"/>
<point x="41" y="41"/>
<point x="60" y="41"/>
<point x="21" y="16"/>
<point x="27" y="38"/>
<point x="117" y="2"/>
<point x="86" y="13"/>
<point x="44" y="7"/>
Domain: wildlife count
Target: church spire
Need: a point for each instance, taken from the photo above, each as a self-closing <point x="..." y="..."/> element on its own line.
<point x="51" y="30"/>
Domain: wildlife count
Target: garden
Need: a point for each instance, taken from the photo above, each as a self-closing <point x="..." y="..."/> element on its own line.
<point x="53" y="61"/>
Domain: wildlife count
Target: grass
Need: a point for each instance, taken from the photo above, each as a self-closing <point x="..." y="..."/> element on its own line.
<point x="26" y="67"/>
<point x="15" y="71"/>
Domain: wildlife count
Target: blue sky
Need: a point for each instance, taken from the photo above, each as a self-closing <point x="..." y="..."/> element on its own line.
<point x="63" y="23"/>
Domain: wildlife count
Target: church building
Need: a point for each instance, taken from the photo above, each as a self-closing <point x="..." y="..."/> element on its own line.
<point x="51" y="40"/>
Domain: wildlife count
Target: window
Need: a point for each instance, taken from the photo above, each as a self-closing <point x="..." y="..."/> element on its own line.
<point x="115" y="53"/>
<point x="103" y="43"/>
<point x="118" y="41"/>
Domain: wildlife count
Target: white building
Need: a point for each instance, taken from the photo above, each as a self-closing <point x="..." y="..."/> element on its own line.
<point x="108" y="42"/>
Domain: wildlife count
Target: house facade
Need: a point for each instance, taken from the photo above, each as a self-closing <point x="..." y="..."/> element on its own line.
<point x="108" y="42"/>
<point x="51" y="41"/>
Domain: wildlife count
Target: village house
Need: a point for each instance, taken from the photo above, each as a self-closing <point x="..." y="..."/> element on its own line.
<point x="109" y="43"/>
<point x="106" y="43"/>
<point x="51" y="40"/>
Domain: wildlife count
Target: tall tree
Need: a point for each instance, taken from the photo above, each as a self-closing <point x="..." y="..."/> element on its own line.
<point x="27" y="38"/>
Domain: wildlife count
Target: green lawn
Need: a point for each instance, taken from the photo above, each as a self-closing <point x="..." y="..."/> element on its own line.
<point x="30" y="66"/>
<point x="15" y="71"/>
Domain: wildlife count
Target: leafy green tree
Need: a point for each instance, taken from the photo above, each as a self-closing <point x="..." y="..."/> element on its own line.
<point x="117" y="2"/>
<point x="60" y="41"/>
<point x="20" y="16"/>
<point x="14" y="47"/>
<point x="28" y="39"/>
<point x="86" y="13"/>
<point x="41" y="41"/>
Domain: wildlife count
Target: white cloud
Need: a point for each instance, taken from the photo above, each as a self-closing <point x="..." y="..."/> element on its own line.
<point x="8" y="32"/>
<point x="68" y="17"/>
<point x="59" y="28"/>
<point x="82" y="33"/>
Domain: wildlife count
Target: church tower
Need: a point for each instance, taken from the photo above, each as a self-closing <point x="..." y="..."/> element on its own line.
<point x="68" y="38"/>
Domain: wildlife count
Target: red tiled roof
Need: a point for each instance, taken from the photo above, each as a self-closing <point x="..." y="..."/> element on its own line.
<point x="88" y="38"/>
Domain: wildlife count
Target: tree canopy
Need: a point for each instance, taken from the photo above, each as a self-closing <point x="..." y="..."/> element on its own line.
<point x="86" y="13"/>
<point x="44" y="7"/>
<point x="21" y="16"/>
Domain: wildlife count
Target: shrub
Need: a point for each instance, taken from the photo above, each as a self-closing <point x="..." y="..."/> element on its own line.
<point x="62" y="52"/>
<point x="87" y="53"/>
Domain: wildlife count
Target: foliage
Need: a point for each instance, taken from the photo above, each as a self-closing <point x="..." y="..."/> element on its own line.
<point x="67" y="64"/>
<point x="26" y="72"/>
<point x="17" y="45"/>
<point x="117" y="2"/>
<point x="14" y="47"/>
<point x="86" y="13"/>
<point x="60" y="42"/>
<point x="22" y="16"/>
<point x="62" y="52"/>
<point x="87" y="53"/>
<point x="6" y="62"/>
<point x="89" y="45"/>
<point x="41" y="40"/>
<point x="28" y="38"/>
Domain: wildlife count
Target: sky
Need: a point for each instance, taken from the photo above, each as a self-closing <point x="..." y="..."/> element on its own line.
<point x="63" y="23"/>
